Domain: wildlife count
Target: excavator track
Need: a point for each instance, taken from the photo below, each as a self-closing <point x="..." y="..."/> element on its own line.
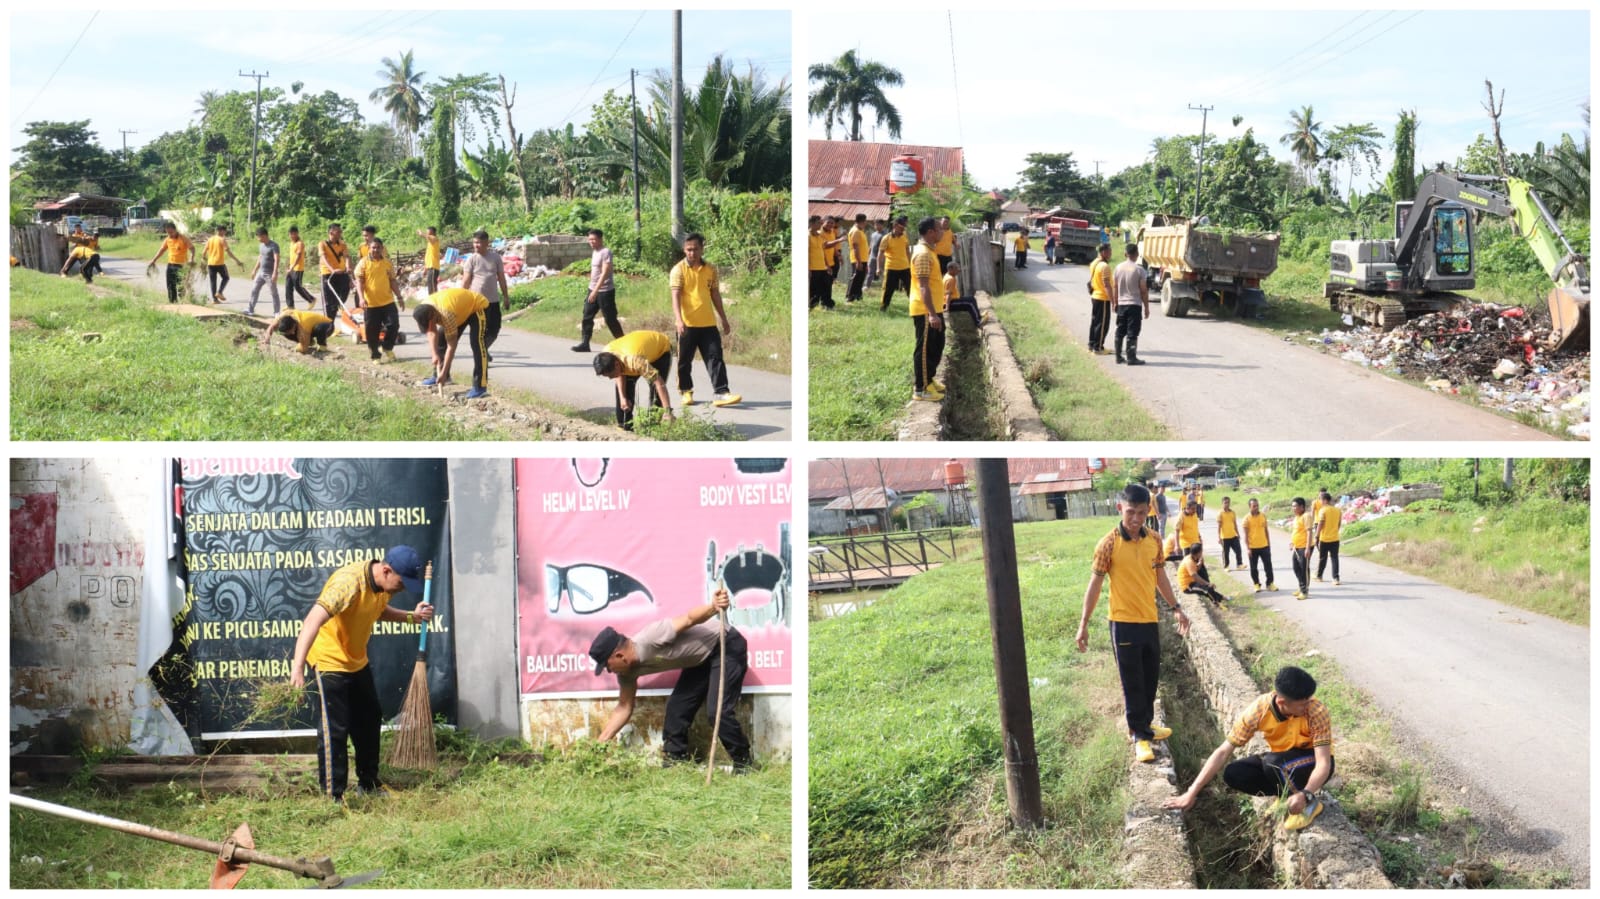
<point x="1383" y="313"/>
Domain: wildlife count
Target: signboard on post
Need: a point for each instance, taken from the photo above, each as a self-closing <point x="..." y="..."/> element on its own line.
<point x="626" y="542"/>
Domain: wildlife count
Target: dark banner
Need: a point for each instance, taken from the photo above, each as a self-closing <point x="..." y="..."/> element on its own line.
<point x="262" y="537"/>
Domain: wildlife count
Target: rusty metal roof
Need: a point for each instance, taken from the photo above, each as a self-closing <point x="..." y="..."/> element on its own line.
<point x="859" y="171"/>
<point x="909" y="476"/>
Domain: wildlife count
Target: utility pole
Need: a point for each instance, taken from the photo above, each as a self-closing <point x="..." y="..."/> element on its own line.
<point x="677" y="125"/>
<point x="1010" y="650"/>
<point x="125" y="133"/>
<point x="1097" y="171"/>
<point x="638" y="228"/>
<point x="255" y="141"/>
<point x="1200" y="157"/>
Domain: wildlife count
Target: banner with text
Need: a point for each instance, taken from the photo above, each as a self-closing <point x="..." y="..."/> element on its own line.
<point x="625" y="542"/>
<point x="263" y="535"/>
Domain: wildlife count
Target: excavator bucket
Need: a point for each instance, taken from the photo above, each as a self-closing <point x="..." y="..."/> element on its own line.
<point x="1569" y="319"/>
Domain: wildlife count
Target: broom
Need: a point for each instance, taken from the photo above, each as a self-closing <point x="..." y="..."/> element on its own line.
<point x="414" y="747"/>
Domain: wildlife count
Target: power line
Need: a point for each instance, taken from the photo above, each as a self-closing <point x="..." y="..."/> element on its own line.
<point x="583" y="96"/>
<point x="1251" y="80"/>
<point x="1334" y="58"/>
<point x="1323" y="57"/>
<point x="57" y="69"/>
<point x="954" y="83"/>
<point x="321" y="47"/>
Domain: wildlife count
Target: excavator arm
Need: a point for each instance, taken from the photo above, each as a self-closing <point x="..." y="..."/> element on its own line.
<point x="1569" y="299"/>
<point x="1438" y="188"/>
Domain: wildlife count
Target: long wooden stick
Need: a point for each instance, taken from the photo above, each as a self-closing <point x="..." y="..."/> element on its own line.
<point x="722" y="684"/>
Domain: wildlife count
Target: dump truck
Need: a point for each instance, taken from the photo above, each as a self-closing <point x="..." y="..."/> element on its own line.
<point x="1433" y="254"/>
<point x="1195" y="267"/>
<point x="1076" y="239"/>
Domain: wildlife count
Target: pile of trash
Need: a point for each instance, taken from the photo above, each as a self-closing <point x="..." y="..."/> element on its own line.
<point x="513" y="253"/>
<point x="1499" y="350"/>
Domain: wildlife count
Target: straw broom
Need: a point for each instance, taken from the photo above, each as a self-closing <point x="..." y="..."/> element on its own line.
<point x="414" y="747"/>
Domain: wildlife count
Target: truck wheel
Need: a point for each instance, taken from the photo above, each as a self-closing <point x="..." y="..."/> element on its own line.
<point x="1171" y="304"/>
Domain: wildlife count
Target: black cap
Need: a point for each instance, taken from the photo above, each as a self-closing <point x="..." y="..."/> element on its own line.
<point x="603" y="646"/>
<point x="406" y="563"/>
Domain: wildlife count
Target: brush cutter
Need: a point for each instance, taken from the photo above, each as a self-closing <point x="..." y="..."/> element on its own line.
<point x="234" y="855"/>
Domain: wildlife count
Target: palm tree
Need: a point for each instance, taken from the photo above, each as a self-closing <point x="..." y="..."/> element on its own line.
<point x="401" y="96"/>
<point x="1304" y="139"/>
<point x="848" y="84"/>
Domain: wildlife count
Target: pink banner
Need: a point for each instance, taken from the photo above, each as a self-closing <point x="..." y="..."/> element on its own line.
<point x="626" y="542"/>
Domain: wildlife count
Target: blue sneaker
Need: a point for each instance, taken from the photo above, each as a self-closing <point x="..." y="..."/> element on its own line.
<point x="430" y="381"/>
<point x="476" y="392"/>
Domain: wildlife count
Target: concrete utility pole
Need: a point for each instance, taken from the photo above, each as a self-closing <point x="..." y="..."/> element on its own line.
<point x="125" y="133"/>
<point x="1200" y="157"/>
<point x="677" y="126"/>
<point x="1010" y="649"/>
<point x="638" y="226"/>
<point x="255" y="141"/>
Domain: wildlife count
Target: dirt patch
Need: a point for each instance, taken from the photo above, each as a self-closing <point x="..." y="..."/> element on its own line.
<point x="972" y="852"/>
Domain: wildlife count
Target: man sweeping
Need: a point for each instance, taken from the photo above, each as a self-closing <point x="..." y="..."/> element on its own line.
<point x="688" y="644"/>
<point x="333" y="639"/>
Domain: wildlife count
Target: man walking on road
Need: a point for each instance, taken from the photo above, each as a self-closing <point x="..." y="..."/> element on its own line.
<point x="1130" y="556"/>
<point x="378" y="291"/>
<point x="484" y="273"/>
<point x="217" y="252"/>
<point x="1328" y="520"/>
<point x="1020" y="244"/>
<point x="602" y="298"/>
<point x="333" y="640"/>
<point x="1130" y="295"/>
<point x="874" y="272"/>
<point x="894" y="260"/>
<point x="689" y="645"/>
<point x="697" y="310"/>
<point x="927" y="313"/>
<point x="265" y="273"/>
<point x="1228" y="535"/>
<point x="1259" y="544"/>
<point x="1302" y="540"/>
<point x="430" y="259"/>
<point x="295" y="270"/>
<point x="333" y="260"/>
<point x="860" y="247"/>
<point x="1299" y="760"/>
<point x="1100" y="291"/>
<point x="177" y="249"/>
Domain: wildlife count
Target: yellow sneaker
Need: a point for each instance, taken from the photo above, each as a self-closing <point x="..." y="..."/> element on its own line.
<point x="1258" y="588"/>
<point x="1142" y="751"/>
<point x="1159" y="732"/>
<point x="1304" y="819"/>
<point x="686" y="398"/>
<point x="726" y="399"/>
<point x="1300" y="594"/>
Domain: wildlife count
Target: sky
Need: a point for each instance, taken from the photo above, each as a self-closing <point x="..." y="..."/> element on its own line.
<point x="144" y="70"/>
<point x="1023" y="81"/>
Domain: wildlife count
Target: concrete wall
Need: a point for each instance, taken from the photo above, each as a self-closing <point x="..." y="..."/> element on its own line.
<point x="77" y="547"/>
<point x="483" y="547"/>
<point x="555" y="251"/>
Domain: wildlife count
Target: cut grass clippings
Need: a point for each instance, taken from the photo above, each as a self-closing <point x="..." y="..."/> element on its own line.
<point x="860" y="369"/>
<point x="906" y="761"/>
<point x="593" y="816"/>
<point x="757" y="305"/>
<point x="153" y="375"/>
<point x="1075" y="397"/>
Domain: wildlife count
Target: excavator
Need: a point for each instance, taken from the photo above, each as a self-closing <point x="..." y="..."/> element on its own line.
<point x="1386" y="281"/>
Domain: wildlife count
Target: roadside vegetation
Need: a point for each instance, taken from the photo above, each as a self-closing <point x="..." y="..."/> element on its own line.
<point x="907" y="774"/>
<point x="860" y="369"/>
<point x="491" y="816"/>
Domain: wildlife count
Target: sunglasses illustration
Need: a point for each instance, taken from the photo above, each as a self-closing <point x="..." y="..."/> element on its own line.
<point x="589" y="588"/>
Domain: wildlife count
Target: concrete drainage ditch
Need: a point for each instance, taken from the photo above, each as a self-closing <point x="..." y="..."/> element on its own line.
<point x="978" y="359"/>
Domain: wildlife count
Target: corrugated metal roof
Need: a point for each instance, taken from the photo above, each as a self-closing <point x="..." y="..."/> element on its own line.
<point x="910" y="476"/>
<point x="867" y="499"/>
<point x="1064" y="485"/>
<point x="860" y="165"/>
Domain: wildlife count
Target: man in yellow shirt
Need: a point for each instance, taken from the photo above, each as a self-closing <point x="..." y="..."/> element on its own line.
<point x="642" y="354"/>
<point x="858" y="241"/>
<point x="894" y="260"/>
<point x="1130" y="556"/>
<point x="333" y="639"/>
<point x="1189" y="525"/>
<point x="927" y="313"/>
<point x="1228" y="535"/>
<point x="1100" y="295"/>
<point x="1020" y="244"/>
<point x="1194" y="579"/>
<point x="1257" y="540"/>
<point x="430" y="259"/>
<point x="1302" y="540"/>
<point x="333" y="257"/>
<point x="377" y="290"/>
<point x="294" y="266"/>
<point x="1329" y="518"/>
<point x="443" y="317"/>
<point x="697" y="309"/>
<point x="820" y="282"/>
<point x="217" y="252"/>
<point x="301" y="326"/>
<point x="830" y="248"/>
<point x="945" y="249"/>
<point x="1299" y="734"/>
<point x="177" y="249"/>
<point x="953" y="299"/>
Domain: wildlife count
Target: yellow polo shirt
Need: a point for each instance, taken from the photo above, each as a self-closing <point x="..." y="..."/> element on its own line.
<point x="1227" y="524"/>
<point x="304" y="321"/>
<point x="1331" y="519"/>
<point x="1188" y="530"/>
<point x="1255" y="531"/>
<point x="1300" y="537"/>
<point x="1100" y="281"/>
<point x="1021" y="242"/>
<point x="815" y="261"/>
<point x="374" y="275"/>
<point x="355" y="603"/>
<point x="430" y="256"/>
<point x="216" y="248"/>
<point x="1283" y="733"/>
<point x="694" y="286"/>
<point x="925" y="264"/>
<point x="1130" y="564"/>
<point x="177" y="249"/>
<point x="947" y="243"/>
<point x="636" y="351"/>
<point x="1188" y="572"/>
<point x="858" y="246"/>
<point x="334" y="257"/>
<point x="456" y="305"/>
<point x="829" y="254"/>
<point x="297" y="255"/>
<point x="896" y="252"/>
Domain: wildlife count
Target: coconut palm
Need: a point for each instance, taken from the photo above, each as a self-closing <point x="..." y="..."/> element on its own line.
<point x="204" y="104"/>
<point x="1304" y="139"/>
<point x="401" y="96"/>
<point x="848" y="84"/>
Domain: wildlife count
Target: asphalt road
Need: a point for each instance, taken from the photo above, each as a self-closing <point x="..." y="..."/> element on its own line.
<point x="1211" y="379"/>
<point x="1498" y="693"/>
<point x="543" y="365"/>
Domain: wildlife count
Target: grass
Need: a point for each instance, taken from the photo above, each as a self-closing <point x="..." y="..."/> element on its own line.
<point x="1075" y="397"/>
<point x="1385" y="798"/>
<point x="907" y="775"/>
<point x="491" y="817"/>
<point x="758" y="308"/>
<point x="153" y="375"/>
<point x="860" y="370"/>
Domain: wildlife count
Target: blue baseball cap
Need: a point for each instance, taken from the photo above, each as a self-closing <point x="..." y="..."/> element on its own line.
<point x="406" y="563"/>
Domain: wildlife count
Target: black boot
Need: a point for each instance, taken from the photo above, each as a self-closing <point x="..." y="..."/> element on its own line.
<point x="1120" y="360"/>
<point x="1133" y="352"/>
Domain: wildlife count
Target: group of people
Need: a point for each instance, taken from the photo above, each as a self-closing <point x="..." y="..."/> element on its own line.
<point x="330" y="654"/>
<point x="1295" y="725"/>
<point x="83" y="253"/>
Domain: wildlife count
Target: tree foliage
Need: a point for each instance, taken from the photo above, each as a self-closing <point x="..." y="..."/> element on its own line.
<point x="1402" y="181"/>
<point x="442" y="166"/>
<point x="1053" y="179"/>
<point x="400" y="94"/>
